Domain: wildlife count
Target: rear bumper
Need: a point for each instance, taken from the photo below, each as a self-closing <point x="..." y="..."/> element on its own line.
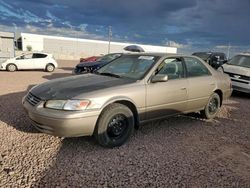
<point x="59" y="123"/>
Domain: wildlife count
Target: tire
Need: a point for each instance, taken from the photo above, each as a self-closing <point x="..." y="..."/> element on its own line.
<point x="212" y="107"/>
<point x="115" y="125"/>
<point x="50" y="68"/>
<point x="11" y="67"/>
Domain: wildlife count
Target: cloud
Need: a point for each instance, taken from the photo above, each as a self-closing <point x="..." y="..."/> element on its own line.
<point x="197" y="24"/>
<point x="176" y="44"/>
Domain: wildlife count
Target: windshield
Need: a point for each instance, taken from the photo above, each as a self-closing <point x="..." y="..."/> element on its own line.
<point x="108" y="57"/>
<point x="240" y="60"/>
<point x="129" y="66"/>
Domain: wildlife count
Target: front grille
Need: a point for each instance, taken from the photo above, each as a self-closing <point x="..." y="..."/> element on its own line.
<point x="239" y="76"/>
<point x="240" y="81"/>
<point x="82" y="70"/>
<point x="32" y="99"/>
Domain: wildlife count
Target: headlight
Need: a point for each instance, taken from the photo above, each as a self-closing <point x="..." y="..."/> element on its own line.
<point x="70" y="105"/>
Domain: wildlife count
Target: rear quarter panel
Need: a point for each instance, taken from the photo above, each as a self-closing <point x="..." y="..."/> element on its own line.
<point x="223" y="84"/>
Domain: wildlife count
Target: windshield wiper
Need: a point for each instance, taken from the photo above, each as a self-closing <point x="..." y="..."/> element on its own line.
<point x="109" y="74"/>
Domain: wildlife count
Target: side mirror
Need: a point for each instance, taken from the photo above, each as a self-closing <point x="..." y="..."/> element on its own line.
<point x="159" y="78"/>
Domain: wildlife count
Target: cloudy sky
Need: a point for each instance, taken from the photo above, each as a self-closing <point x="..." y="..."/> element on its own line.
<point x="190" y="25"/>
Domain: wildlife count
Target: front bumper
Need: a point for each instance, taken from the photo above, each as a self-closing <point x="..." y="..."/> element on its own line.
<point x="241" y="89"/>
<point x="2" y="67"/>
<point x="61" y="123"/>
<point x="238" y="85"/>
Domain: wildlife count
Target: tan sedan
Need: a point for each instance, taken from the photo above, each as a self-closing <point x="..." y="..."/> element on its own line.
<point x="132" y="89"/>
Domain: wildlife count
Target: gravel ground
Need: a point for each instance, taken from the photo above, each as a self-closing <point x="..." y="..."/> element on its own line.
<point x="182" y="151"/>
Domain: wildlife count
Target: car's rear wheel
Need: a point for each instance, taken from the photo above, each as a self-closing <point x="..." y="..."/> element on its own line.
<point x="11" y="67"/>
<point x="115" y="125"/>
<point x="212" y="107"/>
<point x="50" y="68"/>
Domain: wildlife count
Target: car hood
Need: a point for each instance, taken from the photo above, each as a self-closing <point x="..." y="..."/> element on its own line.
<point x="73" y="86"/>
<point x="236" y="69"/>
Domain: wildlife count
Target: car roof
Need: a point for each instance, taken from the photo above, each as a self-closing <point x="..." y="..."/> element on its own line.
<point x="152" y="54"/>
<point x="208" y="53"/>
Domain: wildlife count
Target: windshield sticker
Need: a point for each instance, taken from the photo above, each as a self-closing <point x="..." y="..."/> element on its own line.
<point x="146" y="57"/>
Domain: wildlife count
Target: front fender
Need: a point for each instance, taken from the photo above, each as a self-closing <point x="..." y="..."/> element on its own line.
<point x="115" y="99"/>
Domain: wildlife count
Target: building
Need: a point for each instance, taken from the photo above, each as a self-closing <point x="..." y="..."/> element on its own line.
<point x="6" y="45"/>
<point x="74" y="48"/>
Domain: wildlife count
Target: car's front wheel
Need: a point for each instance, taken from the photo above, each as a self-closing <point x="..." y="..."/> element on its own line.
<point x="115" y="125"/>
<point x="11" y="67"/>
<point x="50" y="68"/>
<point x="212" y="107"/>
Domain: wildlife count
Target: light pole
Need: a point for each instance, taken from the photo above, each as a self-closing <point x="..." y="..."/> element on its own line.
<point x="228" y="50"/>
<point x="110" y="35"/>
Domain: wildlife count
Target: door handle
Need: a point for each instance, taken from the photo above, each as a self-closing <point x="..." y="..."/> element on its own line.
<point x="183" y="88"/>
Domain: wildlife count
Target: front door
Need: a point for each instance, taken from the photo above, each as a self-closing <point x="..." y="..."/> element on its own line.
<point x="25" y="62"/>
<point x="170" y="97"/>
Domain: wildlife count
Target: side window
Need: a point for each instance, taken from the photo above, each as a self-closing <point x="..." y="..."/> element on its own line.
<point x="27" y="56"/>
<point x="172" y="67"/>
<point x="39" y="56"/>
<point x="195" y="67"/>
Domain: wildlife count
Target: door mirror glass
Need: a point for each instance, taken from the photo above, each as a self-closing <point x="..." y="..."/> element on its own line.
<point x="159" y="78"/>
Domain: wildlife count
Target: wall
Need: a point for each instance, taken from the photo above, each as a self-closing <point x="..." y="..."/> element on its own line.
<point x="35" y="41"/>
<point x="73" y="48"/>
<point x="6" y="45"/>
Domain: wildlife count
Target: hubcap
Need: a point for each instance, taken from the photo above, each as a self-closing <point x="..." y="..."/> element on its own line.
<point x="50" y="68"/>
<point x="11" y="67"/>
<point x="213" y="106"/>
<point x="117" y="126"/>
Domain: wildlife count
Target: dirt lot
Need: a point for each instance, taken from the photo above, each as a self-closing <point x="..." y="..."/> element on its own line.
<point x="181" y="151"/>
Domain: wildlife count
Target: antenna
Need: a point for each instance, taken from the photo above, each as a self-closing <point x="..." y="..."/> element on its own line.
<point x="110" y="35"/>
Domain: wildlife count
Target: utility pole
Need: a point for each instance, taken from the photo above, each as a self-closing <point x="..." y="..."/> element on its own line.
<point x="110" y="35"/>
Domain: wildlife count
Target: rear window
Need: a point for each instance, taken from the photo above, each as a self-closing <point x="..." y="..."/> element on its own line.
<point x="202" y="55"/>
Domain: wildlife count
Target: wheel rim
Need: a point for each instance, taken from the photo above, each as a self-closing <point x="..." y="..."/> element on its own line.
<point x="50" y="68"/>
<point x="117" y="126"/>
<point x="12" y="68"/>
<point x="213" y="106"/>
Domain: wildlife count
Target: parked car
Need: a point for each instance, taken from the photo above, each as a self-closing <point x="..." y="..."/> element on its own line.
<point x="89" y="59"/>
<point x="238" y="68"/>
<point x="41" y="61"/>
<point x="215" y="59"/>
<point x="83" y="68"/>
<point x="132" y="89"/>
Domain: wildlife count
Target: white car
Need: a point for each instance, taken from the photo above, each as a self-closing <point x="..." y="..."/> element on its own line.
<point x="39" y="60"/>
<point x="238" y="68"/>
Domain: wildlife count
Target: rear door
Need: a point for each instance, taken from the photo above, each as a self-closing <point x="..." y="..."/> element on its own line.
<point x="39" y="60"/>
<point x="201" y="84"/>
<point x="167" y="98"/>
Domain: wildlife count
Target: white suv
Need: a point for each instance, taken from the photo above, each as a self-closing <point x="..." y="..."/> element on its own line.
<point x="42" y="61"/>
